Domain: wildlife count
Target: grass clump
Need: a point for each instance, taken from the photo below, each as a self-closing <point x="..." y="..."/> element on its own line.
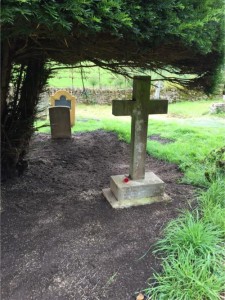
<point x="212" y="205"/>
<point x="215" y="195"/>
<point x="189" y="232"/>
<point x="193" y="252"/>
<point x="187" y="277"/>
<point x="215" y="216"/>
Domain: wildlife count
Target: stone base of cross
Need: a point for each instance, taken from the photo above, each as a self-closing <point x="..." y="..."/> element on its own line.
<point x="139" y="187"/>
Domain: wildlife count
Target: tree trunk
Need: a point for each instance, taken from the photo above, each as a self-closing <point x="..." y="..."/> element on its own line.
<point x="6" y="68"/>
<point x="18" y="119"/>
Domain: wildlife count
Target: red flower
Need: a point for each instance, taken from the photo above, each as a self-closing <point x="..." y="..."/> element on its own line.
<point x="126" y="179"/>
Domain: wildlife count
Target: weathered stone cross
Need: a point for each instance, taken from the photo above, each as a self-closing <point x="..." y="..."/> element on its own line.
<point x="139" y="108"/>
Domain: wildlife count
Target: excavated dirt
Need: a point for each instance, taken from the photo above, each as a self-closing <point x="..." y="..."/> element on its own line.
<point x="60" y="237"/>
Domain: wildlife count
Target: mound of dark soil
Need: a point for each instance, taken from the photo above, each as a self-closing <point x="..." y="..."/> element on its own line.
<point x="62" y="240"/>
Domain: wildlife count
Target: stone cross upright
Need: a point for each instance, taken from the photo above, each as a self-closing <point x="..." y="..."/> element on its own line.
<point x="139" y="108"/>
<point x="143" y="187"/>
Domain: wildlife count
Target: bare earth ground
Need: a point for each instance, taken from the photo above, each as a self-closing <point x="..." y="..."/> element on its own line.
<point x="62" y="240"/>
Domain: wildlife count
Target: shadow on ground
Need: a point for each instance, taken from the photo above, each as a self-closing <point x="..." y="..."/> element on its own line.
<point x="62" y="240"/>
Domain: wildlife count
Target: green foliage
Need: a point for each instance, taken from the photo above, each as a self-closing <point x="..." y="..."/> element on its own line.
<point x="182" y="152"/>
<point x="216" y="216"/>
<point x="215" y="194"/>
<point x="190" y="233"/>
<point x="193" y="250"/>
<point x="63" y="15"/>
<point x="188" y="277"/>
<point x="215" y="164"/>
<point x="212" y="204"/>
<point x="173" y="35"/>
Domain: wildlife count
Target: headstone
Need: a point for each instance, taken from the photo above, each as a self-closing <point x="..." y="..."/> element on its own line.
<point x="64" y="98"/>
<point x="139" y="187"/>
<point x="216" y="108"/>
<point x="60" y="122"/>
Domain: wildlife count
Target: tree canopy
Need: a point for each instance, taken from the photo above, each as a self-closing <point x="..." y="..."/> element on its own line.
<point x="183" y="36"/>
<point x="180" y="36"/>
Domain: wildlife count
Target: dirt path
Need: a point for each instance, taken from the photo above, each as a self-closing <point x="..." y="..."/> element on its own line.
<point x="62" y="240"/>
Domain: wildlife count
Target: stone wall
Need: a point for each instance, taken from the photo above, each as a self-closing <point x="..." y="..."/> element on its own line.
<point x="96" y="96"/>
<point x="89" y="96"/>
<point x="105" y="96"/>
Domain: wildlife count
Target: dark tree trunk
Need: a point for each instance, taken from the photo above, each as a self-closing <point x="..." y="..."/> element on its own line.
<point x="6" y="68"/>
<point x="18" y="118"/>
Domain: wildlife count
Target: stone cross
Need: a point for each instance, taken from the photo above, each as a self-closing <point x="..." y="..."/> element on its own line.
<point x="139" y="108"/>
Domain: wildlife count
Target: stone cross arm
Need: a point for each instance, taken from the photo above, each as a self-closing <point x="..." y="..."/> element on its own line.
<point x="126" y="107"/>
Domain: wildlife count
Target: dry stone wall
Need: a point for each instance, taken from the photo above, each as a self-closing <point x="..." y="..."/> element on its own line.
<point x="98" y="96"/>
<point x="105" y="96"/>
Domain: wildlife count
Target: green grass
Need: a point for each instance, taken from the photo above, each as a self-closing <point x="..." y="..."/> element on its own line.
<point x="190" y="233"/>
<point x="191" y="147"/>
<point x="190" y="109"/>
<point x="94" y="77"/>
<point x="212" y="204"/>
<point x="193" y="252"/>
<point x="188" y="277"/>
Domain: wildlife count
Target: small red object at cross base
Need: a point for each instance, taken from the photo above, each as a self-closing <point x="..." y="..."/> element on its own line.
<point x="126" y="179"/>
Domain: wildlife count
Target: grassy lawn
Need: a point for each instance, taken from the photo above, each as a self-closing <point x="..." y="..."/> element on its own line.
<point x="89" y="77"/>
<point x="95" y="77"/>
<point x="192" y="249"/>
<point x="190" y="109"/>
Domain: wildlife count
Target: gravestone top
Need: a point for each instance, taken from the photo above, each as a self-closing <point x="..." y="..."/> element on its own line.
<point x="64" y="98"/>
<point x="63" y="102"/>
